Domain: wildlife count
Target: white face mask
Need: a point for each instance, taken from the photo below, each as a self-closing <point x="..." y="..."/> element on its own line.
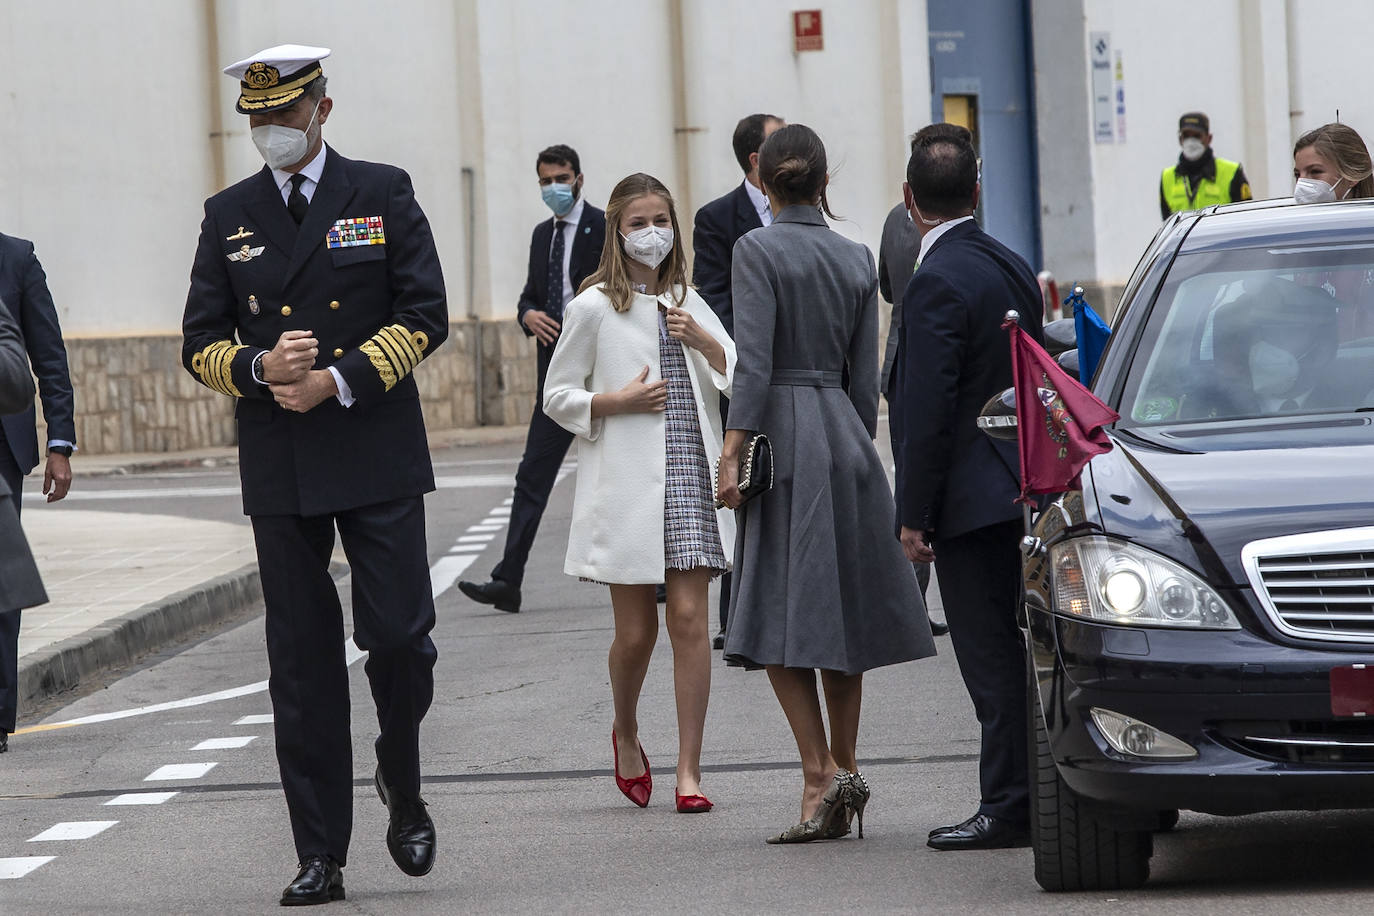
<point x="1193" y="148"/>
<point x="1273" y="370"/>
<point x="650" y="245"/>
<point x="1315" y="191"/>
<point x="282" y="146"/>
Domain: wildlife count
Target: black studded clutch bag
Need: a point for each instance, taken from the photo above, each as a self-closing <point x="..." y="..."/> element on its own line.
<point x="755" y="469"/>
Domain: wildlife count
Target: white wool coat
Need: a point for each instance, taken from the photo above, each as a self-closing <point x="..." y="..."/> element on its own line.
<point x="617" y="522"/>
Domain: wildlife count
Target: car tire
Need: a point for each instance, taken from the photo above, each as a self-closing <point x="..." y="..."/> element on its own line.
<point x="1075" y="846"/>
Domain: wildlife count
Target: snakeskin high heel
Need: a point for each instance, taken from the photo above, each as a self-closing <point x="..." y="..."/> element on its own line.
<point x="829" y="821"/>
<point x="856" y="797"/>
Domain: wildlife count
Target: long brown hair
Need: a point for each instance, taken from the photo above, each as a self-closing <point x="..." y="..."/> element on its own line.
<point x="1342" y="147"/>
<point x="613" y="274"/>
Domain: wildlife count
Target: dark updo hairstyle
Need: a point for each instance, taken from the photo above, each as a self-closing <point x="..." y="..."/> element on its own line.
<point x="792" y="167"/>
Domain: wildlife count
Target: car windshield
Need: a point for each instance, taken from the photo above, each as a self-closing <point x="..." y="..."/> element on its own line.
<point x="1252" y="333"/>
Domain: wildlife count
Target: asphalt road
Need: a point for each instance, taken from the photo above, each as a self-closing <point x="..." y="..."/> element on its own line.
<point x="517" y="766"/>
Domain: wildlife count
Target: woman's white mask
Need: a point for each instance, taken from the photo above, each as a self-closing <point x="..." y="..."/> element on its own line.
<point x="1273" y="370"/>
<point x="650" y="245"/>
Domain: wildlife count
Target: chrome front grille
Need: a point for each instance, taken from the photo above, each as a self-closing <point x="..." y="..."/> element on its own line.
<point x="1318" y="585"/>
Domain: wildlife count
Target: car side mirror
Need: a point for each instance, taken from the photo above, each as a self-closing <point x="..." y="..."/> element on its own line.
<point x="1068" y="361"/>
<point x="998" y="416"/>
<point x="1060" y="336"/>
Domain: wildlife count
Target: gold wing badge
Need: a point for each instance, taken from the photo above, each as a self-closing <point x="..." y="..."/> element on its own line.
<point x="241" y="234"/>
<point x="245" y="253"/>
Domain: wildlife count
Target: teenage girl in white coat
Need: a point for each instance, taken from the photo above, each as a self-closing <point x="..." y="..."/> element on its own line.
<point x="637" y="376"/>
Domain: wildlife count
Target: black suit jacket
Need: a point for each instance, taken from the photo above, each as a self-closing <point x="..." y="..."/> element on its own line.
<point x="20" y="585"/>
<point x="376" y="309"/>
<point x="588" y="240"/>
<point x="718" y="226"/>
<point x="953" y="356"/>
<point x="24" y="291"/>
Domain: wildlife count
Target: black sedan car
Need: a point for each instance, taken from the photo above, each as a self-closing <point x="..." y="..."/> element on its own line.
<point x="1200" y="615"/>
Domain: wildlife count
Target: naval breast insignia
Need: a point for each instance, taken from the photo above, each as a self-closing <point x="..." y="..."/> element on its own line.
<point x="245" y="253"/>
<point x="241" y="234"/>
<point x="354" y="231"/>
<point x="253" y="304"/>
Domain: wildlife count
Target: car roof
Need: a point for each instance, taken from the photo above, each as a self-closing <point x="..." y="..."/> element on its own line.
<point x="1279" y="221"/>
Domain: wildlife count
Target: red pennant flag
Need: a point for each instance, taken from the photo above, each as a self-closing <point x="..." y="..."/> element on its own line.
<point x="1058" y="421"/>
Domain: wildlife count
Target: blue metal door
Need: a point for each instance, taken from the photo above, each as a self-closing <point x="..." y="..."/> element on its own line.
<point x="981" y="77"/>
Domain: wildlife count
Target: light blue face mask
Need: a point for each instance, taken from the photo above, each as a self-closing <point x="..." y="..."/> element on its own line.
<point x="559" y="197"/>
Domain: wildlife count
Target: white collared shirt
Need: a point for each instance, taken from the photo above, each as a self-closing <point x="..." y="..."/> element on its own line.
<point x="760" y="202"/>
<point x="312" y="172"/>
<point x="570" y="221"/>
<point x="930" y="237"/>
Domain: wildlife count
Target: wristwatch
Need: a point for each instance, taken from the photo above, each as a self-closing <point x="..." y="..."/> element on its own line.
<point x="257" y="368"/>
<point x="61" y="450"/>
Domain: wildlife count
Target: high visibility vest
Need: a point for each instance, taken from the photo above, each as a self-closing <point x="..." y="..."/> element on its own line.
<point x="1207" y="192"/>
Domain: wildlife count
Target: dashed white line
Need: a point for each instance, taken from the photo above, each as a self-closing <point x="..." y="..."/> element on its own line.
<point x="141" y="798"/>
<point x="254" y="720"/>
<point x="180" y="771"/>
<point x="20" y="866"/>
<point x="476" y="538"/>
<point x="221" y="744"/>
<point x="73" y="830"/>
<point x="480" y="529"/>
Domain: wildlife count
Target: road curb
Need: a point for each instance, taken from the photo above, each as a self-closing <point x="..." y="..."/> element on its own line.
<point x="120" y="641"/>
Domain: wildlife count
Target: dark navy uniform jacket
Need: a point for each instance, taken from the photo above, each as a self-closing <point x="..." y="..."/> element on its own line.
<point x="375" y="302"/>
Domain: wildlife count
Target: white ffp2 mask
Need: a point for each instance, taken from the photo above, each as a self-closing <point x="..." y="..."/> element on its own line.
<point x="281" y="146"/>
<point x="650" y="245"/>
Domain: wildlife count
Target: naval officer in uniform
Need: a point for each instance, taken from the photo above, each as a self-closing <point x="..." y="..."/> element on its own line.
<point x="315" y="292"/>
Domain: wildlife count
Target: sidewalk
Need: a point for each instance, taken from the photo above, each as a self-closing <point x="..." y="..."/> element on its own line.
<point x="122" y="585"/>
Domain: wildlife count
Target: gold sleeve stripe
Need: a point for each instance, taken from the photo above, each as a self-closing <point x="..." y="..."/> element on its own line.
<point x="214" y="367"/>
<point x="381" y="364"/>
<point x="395" y="352"/>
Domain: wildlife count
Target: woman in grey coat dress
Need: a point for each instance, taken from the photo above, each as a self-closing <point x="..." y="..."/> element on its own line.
<point x="820" y="580"/>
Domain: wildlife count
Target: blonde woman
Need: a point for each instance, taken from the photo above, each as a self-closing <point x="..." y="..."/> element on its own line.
<point x="637" y="375"/>
<point x="1331" y="163"/>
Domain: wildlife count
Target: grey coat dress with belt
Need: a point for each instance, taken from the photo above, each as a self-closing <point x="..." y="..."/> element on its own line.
<point x="820" y="580"/>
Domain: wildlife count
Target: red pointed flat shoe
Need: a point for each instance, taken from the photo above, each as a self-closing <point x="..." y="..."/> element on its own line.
<point x="693" y="804"/>
<point x="639" y="788"/>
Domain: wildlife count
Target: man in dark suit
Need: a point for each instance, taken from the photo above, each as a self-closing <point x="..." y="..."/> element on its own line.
<point x="25" y="297"/>
<point x="896" y="262"/>
<point x="564" y="251"/>
<point x="20" y="585"/>
<point x="718" y="225"/>
<point x="325" y="270"/>
<point x="957" y="489"/>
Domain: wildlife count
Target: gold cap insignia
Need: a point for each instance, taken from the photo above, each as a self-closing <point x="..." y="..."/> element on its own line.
<point x="261" y="75"/>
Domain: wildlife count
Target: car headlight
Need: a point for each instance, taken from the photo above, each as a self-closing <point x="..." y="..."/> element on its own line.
<point x="1109" y="581"/>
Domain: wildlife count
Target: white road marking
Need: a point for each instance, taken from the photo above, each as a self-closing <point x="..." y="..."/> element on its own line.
<point x="73" y="830"/>
<point x="254" y="720"/>
<point x="446" y="572"/>
<point x="224" y="744"/>
<point x="478" y="529"/>
<point x="180" y="771"/>
<point x="141" y="798"/>
<point x="20" y="866"/>
<point x="466" y="548"/>
<point x="476" y="538"/>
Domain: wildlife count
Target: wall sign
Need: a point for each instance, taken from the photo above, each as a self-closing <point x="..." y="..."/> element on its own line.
<point x="806" y="31"/>
<point x="1104" y="128"/>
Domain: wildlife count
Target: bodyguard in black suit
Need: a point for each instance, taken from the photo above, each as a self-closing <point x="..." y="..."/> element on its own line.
<point x="315" y="292"/>
<point x="956" y="491"/>
<point x="564" y="251"/>
<point x="24" y="296"/>
<point x="718" y="225"/>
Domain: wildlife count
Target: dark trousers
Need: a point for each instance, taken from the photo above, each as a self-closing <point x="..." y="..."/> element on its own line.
<point x="9" y="619"/>
<point x="393" y="612"/>
<point x="546" y="445"/>
<point x="980" y="584"/>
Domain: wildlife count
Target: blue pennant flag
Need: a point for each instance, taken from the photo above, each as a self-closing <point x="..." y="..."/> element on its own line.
<point x="1090" y="330"/>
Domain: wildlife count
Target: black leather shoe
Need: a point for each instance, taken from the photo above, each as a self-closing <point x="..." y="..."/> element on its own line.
<point x="410" y="834"/>
<point x="719" y="641"/>
<point x="505" y="596"/>
<point x="320" y="881"/>
<point x="982" y="831"/>
<point x="937" y="627"/>
<point x="959" y="826"/>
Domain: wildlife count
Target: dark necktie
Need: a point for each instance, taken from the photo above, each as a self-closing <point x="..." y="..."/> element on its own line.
<point x="296" y="204"/>
<point x="554" y="306"/>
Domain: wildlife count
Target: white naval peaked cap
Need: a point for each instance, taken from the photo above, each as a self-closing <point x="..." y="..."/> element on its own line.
<point x="275" y="77"/>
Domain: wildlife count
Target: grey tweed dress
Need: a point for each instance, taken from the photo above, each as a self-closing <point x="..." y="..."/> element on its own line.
<point x="691" y="538"/>
<point x="820" y="579"/>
